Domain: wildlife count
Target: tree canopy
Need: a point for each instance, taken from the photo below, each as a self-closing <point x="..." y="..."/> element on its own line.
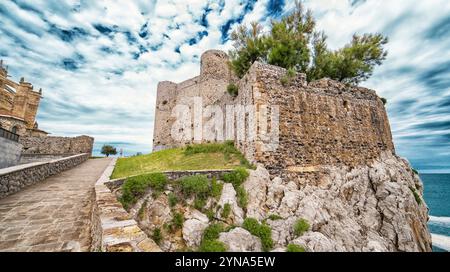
<point x="108" y="150"/>
<point x="294" y="43"/>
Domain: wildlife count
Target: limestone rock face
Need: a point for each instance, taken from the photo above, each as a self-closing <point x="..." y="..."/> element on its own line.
<point x="229" y="197"/>
<point x="256" y="187"/>
<point x="240" y="240"/>
<point x="193" y="228"/>
<point x="316" y="242"/>
<point x="364" y="208"/>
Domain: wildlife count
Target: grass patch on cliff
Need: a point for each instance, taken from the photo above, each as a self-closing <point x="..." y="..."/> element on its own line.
<point x="135" y="187"/>
<point x="416" y="195"/>
<point x="300" y="227"/>
<point x="295" y="248"/>
<point x="263" y="231"/>
<point x="210" y="242"/>
<point x="193" y="157"/>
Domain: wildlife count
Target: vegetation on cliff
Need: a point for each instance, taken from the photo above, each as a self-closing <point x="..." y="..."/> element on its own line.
<point x="193" y="157"/>
<point x="294" y="43"/>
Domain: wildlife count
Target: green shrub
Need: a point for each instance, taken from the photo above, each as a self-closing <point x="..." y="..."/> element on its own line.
<point x="295" y="248"/>
<point x="212" y="246"/>
<point x="226" y="211"/>
<point x="300" y="227"/>
<point x="199" y="203"/>
<point x="173" y="200"/>
<point x="216" y="188"/>
<point x="210" y="214"/>
<point x="212" y="231"/>
<point x="274" y="217"/>
<point x="384" y="100"/>
<point x="236" y="177"/>
<point x="209" y="239"/>
<point x="242" y="197"/>
<point x="260" y="230"/>
<point x="177" y="221"/>
<point x="416" y="195"/>
<point x="157" y="181"/>
<point x="233" y="90"/>
<point x="415" y="171"/>
<point x="195" y="186"/>
<point x="157" y="236"/>
<point x="135" y="187"/>
<point x="288" y="77"/>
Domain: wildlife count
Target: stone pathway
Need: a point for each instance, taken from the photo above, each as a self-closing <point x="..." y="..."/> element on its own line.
<point x="53" y="215"/>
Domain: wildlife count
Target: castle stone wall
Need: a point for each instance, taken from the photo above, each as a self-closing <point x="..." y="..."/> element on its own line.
<point x="211" y="85"/>
<point x="57" y="145"/>
<point x="321" y="123"/>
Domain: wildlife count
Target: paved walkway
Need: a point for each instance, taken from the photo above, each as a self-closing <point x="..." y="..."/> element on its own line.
<point x="53" y="215"/>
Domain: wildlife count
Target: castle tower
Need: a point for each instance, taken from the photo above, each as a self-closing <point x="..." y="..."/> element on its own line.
<point x="210" y="85"/>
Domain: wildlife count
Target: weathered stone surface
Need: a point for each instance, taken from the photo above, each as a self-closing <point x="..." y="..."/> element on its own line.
<point x="9" y="152"/>
<point x="316" y="242"/>
<point x="193" y="228"/>
<point x="57" y="145"/>
<point x="113" y="229"/>
<point x="229" y="197"/>
<point x="256" y="186"/>
<point x="365" y="208"/>
<point x="240" y="240"/>
<point x="54" y="215"/>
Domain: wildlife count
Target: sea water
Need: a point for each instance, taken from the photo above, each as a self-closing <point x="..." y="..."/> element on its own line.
<point x="437" y="197"/>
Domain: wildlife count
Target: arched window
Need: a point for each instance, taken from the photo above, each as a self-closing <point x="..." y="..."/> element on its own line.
<point x="14" y="130"/>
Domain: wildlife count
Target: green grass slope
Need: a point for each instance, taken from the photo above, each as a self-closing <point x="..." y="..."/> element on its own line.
<point x="194" y="157"/>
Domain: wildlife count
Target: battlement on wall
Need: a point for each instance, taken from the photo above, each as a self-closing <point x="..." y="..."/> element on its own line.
<point x="324" y="122"/>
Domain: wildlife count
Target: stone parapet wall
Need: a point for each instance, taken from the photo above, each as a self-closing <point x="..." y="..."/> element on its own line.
<point x="113" y="229"/>
<point x="30" y="158"/>
<point x="57" y="145"/>
<point x="14" y="179"/>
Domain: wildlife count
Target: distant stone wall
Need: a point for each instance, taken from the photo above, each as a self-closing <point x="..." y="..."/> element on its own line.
<point x="9" y="152"/>
<point x="14" y="179"/>
<point x="57" y="145"/>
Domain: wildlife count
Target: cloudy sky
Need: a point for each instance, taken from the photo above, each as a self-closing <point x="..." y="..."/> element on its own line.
<point x="99" y="62"/>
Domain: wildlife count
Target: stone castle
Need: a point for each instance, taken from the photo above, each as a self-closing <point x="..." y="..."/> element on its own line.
<point x="19" y="103"/>
<point x="334" y="163"/>
<point x="320" y="123"/>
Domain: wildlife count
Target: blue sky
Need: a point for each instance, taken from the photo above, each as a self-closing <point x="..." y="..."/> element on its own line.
<point x="99" y="62"/>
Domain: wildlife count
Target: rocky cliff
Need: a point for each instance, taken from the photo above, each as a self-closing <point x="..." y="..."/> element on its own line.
<point x="372" y="208"/>
<point x="376" y="207"/>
